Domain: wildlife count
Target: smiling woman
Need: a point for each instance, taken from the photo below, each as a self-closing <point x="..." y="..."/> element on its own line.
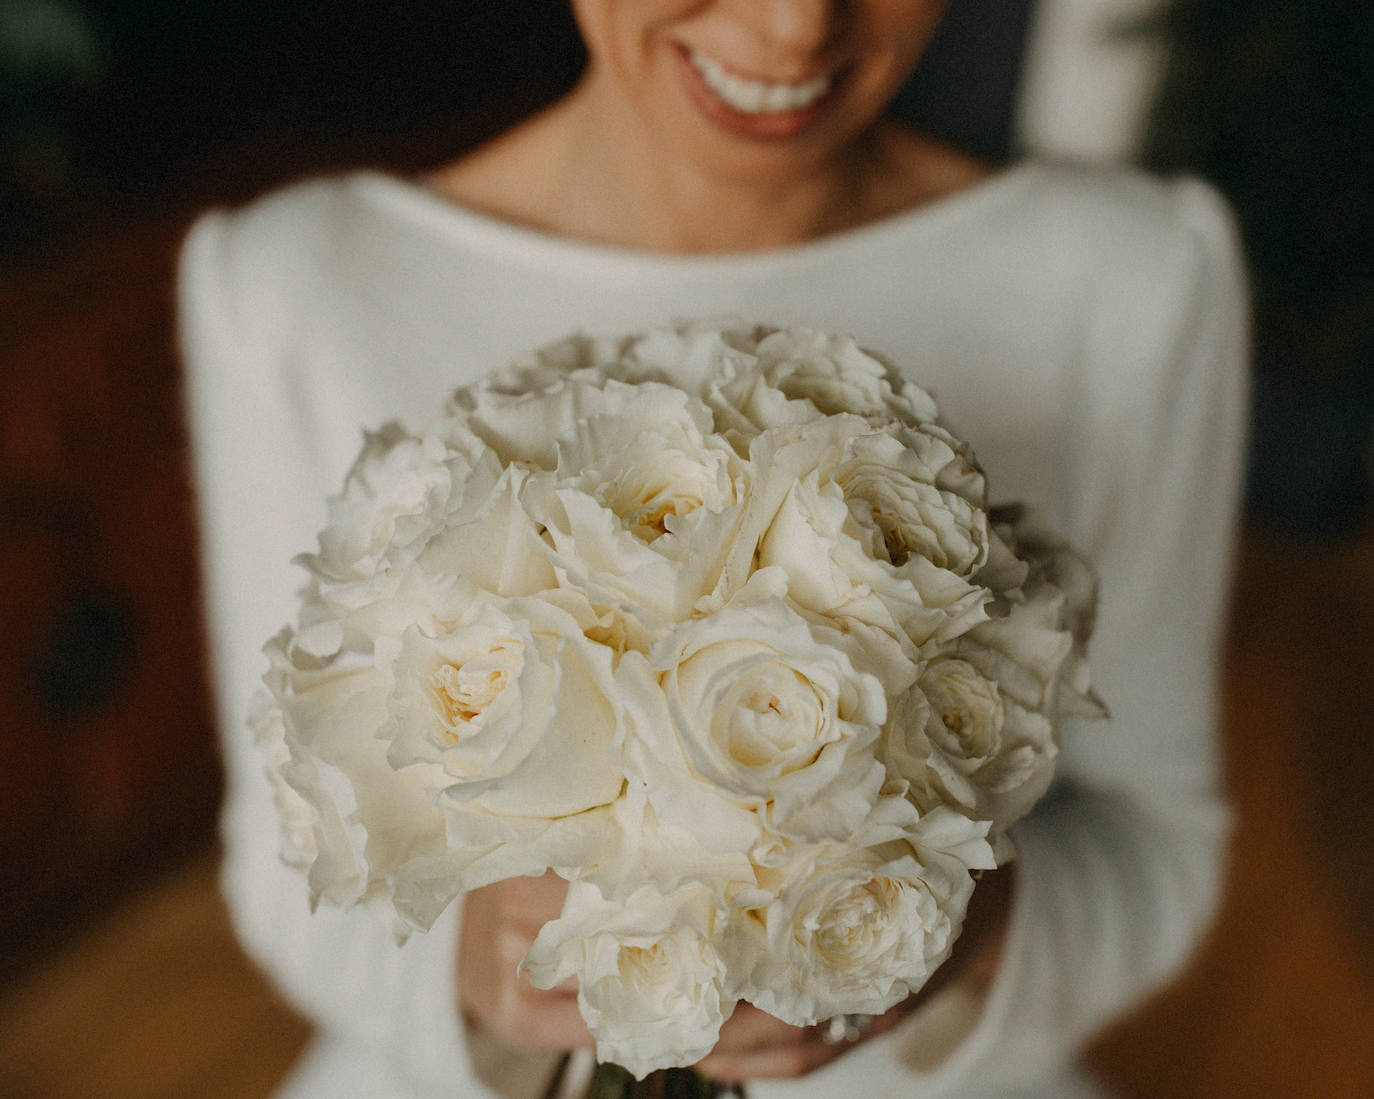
<point x="1085" y="329"/>
<point x="721" y="127"/>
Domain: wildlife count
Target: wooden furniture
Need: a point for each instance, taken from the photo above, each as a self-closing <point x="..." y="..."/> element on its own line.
<point x="109" y="759"/>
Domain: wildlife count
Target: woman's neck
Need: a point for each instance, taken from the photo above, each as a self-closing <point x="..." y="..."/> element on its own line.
<point x="570" y="171"/>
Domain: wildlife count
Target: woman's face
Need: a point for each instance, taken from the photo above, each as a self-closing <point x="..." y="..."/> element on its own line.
<point x="753" y="90"/>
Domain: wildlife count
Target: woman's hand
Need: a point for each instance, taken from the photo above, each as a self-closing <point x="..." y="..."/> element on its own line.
<point x="500" y="922"/>
<point x="753" y="1044"/>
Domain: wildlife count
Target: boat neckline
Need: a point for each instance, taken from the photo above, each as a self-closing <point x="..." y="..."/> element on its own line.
<point x="410" y="198"/>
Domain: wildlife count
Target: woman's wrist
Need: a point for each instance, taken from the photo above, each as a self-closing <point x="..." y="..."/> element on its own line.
<point x="977" y="956"/>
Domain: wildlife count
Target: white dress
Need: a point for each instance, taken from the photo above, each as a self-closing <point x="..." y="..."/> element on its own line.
<point x="1085" y="330"/>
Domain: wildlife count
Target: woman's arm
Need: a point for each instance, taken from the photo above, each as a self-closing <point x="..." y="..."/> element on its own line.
<point x="261" y="488"/>
<point x="1119" y="870"/>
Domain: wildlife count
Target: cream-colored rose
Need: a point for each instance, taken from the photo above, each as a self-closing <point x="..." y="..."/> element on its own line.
<point x="394" y="497"/>
<point x="653" y="464"/>
<point x="943" y="460"/>
<point x="836" y="375"/>
<point x="885" y="486"/>
<point x="471" y="507"/>
<point x="794" y="375"/>
<point x="514" y="705"/>
<point x="692" y="355"/>
<point x="489" y="541"/>
<point x="680" y="801"/>
<point x="773" y="713"/>
<point x="650" y="980"/>
<point x="531" y="425"/>
<point x="848" y="931"/>
<point x="815" y="500"/>
<point x="295" y="814"/>
<point x="373" y="827"/>
<point x="1043" y="631"/>
<point x="957" y="739"/>
<point x="966" y="712"/>
<point x="642" y="508"/>
<point x="544" y="368"/>
<point x="524" y="426"/>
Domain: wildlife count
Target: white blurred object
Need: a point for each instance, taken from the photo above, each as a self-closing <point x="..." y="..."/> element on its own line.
<point x="1088" y="84"/>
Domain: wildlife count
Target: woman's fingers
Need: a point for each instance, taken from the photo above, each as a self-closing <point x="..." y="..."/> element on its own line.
<point x="536" y="1019"/>
<point x="753" y="1044"/>
<point x="499" y="923"/>
<point x="750" y="1029"/>
<point x="780" y="1062"/>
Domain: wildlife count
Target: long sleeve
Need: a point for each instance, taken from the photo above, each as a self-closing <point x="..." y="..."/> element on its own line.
<point x="261" y="483"/>
<point x="1120" y="869"/>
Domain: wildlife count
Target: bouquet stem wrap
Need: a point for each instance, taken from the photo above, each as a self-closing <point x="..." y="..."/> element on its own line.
<point x="613" y="1082"/>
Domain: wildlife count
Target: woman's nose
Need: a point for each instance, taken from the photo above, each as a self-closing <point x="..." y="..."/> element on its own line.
<point x="800" y="25"/>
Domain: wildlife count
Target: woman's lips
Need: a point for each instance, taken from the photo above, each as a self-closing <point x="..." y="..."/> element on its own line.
<point x="753" y="108"/>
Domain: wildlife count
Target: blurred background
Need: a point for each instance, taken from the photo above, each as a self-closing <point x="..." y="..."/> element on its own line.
<point x="118" y="121"/>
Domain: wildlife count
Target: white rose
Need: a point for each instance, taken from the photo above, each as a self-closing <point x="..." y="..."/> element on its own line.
<point x="772" y="712"/>
<point x="885" y="485"/>
<point x="543" y="368"/>
<point x="642" y="508"/>
<point x="394" y="497"/>
<point x="978" y="730"/>
<point x="650" y="980"/>
<point x="374" y="828"/>
<point x="514" y="706"/>
<point x="800" y="374"/>
<point x="529" y="425"/>
<point x="1023" y="648"/>
<point x="836" y="564"/>
<point x="489" y="540"/>
<point x="681" y="802"/>
<point x="693" y="355"/>
<point x="645" y="849"/>
<point x="849" y="931"/>
<point x="296" y="816"/>
<point x="966" y="712"/>
<point x="524" y="426"/>
<point x="957" y="739"/>
<point x="836" y="375"/>
<point x="1058" y="595"/>
<point x="653" y="462"/>
<point x="471" y="506"/>
<point x="943" y="460"/>
<point x="895" y="612"/>
<point x="681" y="355"/>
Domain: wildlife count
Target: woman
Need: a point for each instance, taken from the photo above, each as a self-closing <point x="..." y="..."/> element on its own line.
<point x="730" y="156"/>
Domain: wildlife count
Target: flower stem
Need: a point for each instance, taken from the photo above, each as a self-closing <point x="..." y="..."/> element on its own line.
<point x="614" y="1082"/>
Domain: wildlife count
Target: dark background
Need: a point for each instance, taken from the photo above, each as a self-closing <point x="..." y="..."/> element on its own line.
<point x="110" y="112"/>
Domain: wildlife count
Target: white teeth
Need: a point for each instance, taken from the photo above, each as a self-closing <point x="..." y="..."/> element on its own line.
<point x="756" y="96"/>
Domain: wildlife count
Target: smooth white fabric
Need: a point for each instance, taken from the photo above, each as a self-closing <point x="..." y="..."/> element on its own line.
<point x="1086" y="330"/>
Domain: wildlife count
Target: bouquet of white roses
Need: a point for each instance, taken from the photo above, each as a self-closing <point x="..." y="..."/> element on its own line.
<point x="714" y="622"/>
